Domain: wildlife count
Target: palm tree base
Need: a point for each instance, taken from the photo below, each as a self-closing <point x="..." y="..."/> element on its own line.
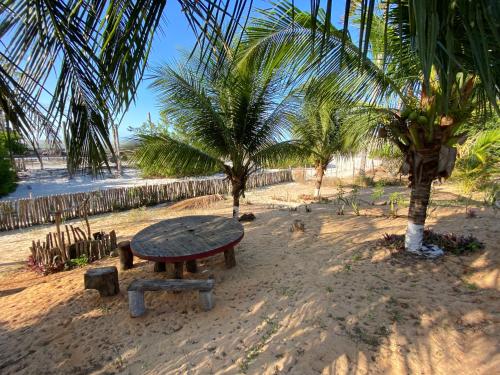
<point x="316" y="193"/>
<point x="429" y="251"/>
<point x="236" y="212"/>
<point x="414" y="236"/>
<point x="414" y="243"/>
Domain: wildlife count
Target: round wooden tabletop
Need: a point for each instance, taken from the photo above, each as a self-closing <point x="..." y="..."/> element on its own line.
<point x="186" y="238"/>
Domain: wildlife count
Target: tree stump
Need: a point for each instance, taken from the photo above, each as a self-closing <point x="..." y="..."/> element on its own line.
<point x="104" y="280"/>
<point x="160" y="267"/>
<point x="126" y="256"/>
<point x="229" y="258"/>
<point x="191" y="266"/>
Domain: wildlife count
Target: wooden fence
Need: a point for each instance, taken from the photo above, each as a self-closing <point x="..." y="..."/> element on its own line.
<point x="22" y="213"/>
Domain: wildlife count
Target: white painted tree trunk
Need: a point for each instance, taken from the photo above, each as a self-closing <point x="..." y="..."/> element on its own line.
<point x="414" y="237"/>
<point x="316" y="193"/>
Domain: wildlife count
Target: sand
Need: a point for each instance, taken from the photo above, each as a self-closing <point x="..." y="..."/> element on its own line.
<point x="325" y="301"/>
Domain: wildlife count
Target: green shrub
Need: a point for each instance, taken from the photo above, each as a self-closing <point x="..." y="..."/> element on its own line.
<point x="7" y="173"/>
<point x="81" y="261"/>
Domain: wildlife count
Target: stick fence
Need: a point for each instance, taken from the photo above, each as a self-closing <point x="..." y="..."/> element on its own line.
<point x="22" y="213"/>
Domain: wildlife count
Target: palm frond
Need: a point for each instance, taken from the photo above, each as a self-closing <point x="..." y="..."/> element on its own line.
<point x="164" y="151"/>
<point x="277" y="154"/>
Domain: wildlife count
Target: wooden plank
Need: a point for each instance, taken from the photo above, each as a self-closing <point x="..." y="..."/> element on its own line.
<point x="173" y="285"/>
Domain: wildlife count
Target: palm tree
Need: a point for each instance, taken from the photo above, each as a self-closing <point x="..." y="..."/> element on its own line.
<point x="322" y="134"/>
<point x="438" y="72"/>
<point x="98" y="51"/>
<point x="234" y="119"/>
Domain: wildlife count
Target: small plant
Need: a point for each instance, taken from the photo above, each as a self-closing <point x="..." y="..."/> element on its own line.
<point x="395" y="199"/>
<point x="45" y="270"/>
<point x="81" y="261"/>
<point x="255" y="350"/>
<point x="492" y="195"/>
<point x="364" y="181"/>
<point x="470" y="286"/>
<point x="378" y="191"/>
<point x="354" y="201"/>
<point x="340" y="200"/>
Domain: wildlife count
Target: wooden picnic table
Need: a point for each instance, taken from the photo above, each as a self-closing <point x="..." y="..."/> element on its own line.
<point x="187" y="238"/>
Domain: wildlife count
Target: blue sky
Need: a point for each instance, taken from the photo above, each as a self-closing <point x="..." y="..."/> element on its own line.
<point x="178" y="36"/>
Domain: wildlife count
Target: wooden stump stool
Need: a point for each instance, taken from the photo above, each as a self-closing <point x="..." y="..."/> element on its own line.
<point x="126" y="256"/>
<point x="104" y="279"/>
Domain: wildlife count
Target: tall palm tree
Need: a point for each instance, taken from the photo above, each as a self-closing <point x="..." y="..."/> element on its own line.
<point x="322" y="134"/>
<point x="234" y="119"/>
<point x="439" y="71"/>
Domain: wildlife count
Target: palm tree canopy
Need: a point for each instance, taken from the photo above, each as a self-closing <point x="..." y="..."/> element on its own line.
<point x="235" y="117"/>
<point x="463" y="42"/>
<point x="98" y="51"/>
<point x="322" y="132"/>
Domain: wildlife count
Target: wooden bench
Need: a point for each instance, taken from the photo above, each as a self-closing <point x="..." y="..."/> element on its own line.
<point x="137" y="288"/>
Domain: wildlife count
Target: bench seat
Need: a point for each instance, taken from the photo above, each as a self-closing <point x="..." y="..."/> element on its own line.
<point x="137" y="288"/>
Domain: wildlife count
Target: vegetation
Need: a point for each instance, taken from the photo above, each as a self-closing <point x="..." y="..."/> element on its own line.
<point x="7" y="172"/>
<point x="478" y="164"/>
<point x="433" y="79"/>
<point x="233" y="118"/>
<point x="163" y="128"/>
<point x="322" y="135"/>
<point x="10" y="145"/>
<point x="449" y="242"/>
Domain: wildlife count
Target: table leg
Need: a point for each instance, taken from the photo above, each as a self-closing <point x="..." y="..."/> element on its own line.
<point x="191" y="266"/>
<point x="160" y="267"/>
<point x="229" y="258"/>
<point x="179" y="270"/>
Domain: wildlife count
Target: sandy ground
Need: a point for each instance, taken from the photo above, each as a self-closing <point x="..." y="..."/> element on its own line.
<point x="325" y="301"/>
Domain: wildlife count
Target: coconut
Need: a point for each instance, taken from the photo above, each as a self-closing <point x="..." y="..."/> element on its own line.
<point x="405" y="113"/>
<point x="413" y="116"/>
<point x="422" y="120"/>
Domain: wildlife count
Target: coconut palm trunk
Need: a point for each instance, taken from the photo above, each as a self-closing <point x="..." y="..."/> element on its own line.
<point x="320" y="172"/>
<point x="425" y="164"/>
<point x="237" y="188"/>
<point x="419" y="200"/>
